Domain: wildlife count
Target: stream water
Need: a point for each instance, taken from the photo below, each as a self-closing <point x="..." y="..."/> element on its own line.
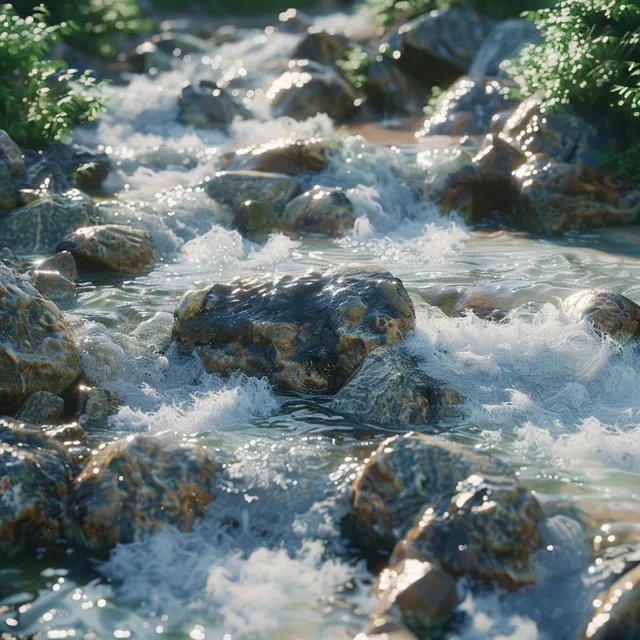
<point x="558" y="403"/>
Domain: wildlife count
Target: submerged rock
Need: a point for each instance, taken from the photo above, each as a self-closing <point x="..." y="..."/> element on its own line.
<point x="439" y="47"/>
<point x="307" y="89"/>
<point x="608" y="312"/>
<point x="450" y="512"/>
<point x="34" y="482"/>
<point x="559" y="196"/>
<point x="305" y="333"/>
<point x="42" y="407"/>
<point x="117" y="247"/>
<point x="135" y="486"/>
<point x="321" y="46"/>
<point x="322" y="211"/>
<point x="233" y="188"/>
<point x="37" y="348"/>
<point x="256" y="219"/>
<point x="207" y="106"/>
<point x="468" y="107"/>
<point x="39" y="227"/>
<point x="290" y="157"/>
<point x="617" y="614"/>
<point x="390" y="389"/>
<point x="52" y="285"/>
<point x="403" y="475"/>
<point x="62" y="262"/>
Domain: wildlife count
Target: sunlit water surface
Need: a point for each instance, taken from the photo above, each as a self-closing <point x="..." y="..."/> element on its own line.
<point x="560" y="404"/>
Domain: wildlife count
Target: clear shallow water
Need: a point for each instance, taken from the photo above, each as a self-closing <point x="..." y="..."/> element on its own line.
<point x="561" y="405"/>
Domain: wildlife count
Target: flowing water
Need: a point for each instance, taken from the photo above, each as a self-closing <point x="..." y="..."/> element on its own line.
<point x="558" y="403"/>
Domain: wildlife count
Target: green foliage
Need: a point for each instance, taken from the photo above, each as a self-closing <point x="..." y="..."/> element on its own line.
<point x="590" y="58"/>
<point x="390" y="12"/>
<point x="354" y="66"/>
<point x="230" y="7"/>
<point x="432" y="103"/>
<point x="98" y="20"/>
<point x="40" y="99"/>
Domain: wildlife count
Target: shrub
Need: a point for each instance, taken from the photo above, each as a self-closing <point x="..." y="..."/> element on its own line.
<point x="40" y="99"/>
<point x="98" y="20"/>
<point x="389" y="12"/>
<point x="589" y="59"/>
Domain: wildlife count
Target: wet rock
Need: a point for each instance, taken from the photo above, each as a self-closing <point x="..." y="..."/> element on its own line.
<point x="96" y="406"/>
<point x="390" y="90"/>
<point x="564" y="136"/>
<point x="483" y="188"/>
<point x="117" y="247"/>
<point x="414" y="593"/>
<point x="135" y="486"/>
<point x="62" y="262"/>
<point x="439" y="47"/>
<point x="503" y="43"/>
<point x="405" y="474"/>
<point x="293" y="21"/>
<point x="65" y="433"/>
<point x="489" y="531"/>
<point x="52" y="285"/>
<point x="233" y="188"/>
<point x="617" y="615"/>
<point x="37" y="348"/>
<point x="34" y="482"/>
<point x="558" y="196"/>
<point x="43" y="173"/>
<point x="322" y="210"/>
<point x="290" y="157"/>
<point x="39" y="227"/>
<point x="321" y="46"/>
<point x="468" y="107"/>
<point x="256" y="219"/>
<point x="608" y="312"/>
<point x="9" y="259"/>
<point x="42" y="407"/>
<point x="85" y="167"/>
<point x="11" y="167"/>
<point x="307" y="89"/>
<point x="207" y="106"/>
<point x="390" y="389"/>
<point x="305" y="333"/>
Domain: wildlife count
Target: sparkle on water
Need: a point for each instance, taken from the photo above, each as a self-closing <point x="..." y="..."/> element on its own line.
<point x="561" y="405"/>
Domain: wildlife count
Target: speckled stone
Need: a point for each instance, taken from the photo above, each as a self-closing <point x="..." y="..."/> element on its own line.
<point x="42" y="407"/>
<point x="52" y="286"/>
<point x="390" y="389"/>
<point x="307" y="89"/>
<point x="320" y="211"/>
<point x="403" y="475"/>
<point x="37" y="348"/>
<point x="117" y="247"/>
<point x="608" y="312"/>
<point x="38" y="228"/>
<point x="34" y="482"/>
<point x="290" y="157"/>
<point x="559" y="196"/>
<point x="304" y="332"/>
<point x="467" y="107"/>
<point x="489" y="530"/>
<point x="135" y="486"/>
<point x="233" y="188"/>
